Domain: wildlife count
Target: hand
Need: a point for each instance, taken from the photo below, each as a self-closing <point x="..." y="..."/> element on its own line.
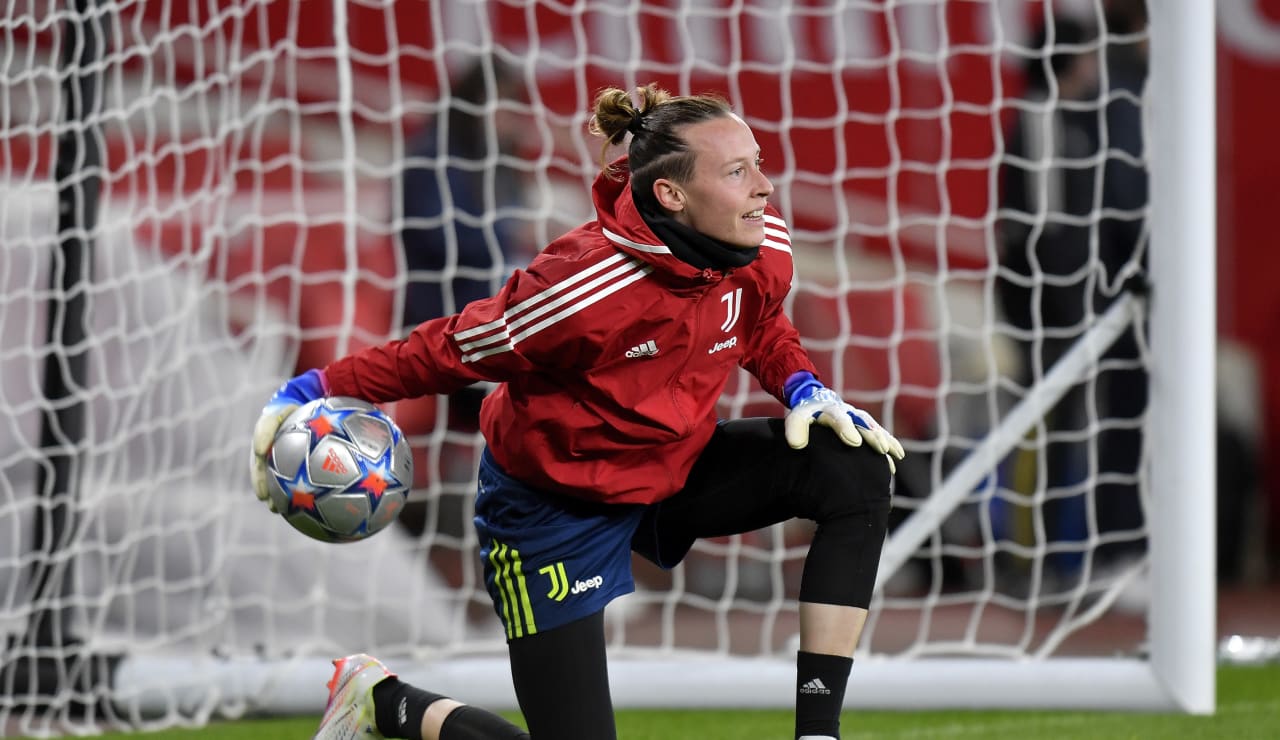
<point x="295" y="392"/>
<point x="812" y="402"/>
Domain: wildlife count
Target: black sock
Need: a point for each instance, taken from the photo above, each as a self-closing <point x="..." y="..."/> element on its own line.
<point x="820" y="684"/>
<point x="398" y="708"/>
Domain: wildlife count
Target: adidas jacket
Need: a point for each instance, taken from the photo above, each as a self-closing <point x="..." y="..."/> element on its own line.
<point x="610" y="352"/>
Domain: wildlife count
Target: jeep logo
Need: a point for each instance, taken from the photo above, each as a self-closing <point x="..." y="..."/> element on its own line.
<point x="590" y="583"/>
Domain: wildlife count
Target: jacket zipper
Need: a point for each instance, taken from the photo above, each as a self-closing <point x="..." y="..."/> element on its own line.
<point x="710" y="276"/>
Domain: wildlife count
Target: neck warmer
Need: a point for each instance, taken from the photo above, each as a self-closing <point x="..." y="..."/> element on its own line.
<point x="690" y="246"/>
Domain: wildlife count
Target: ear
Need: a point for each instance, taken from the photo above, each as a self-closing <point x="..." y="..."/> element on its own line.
<point x="670" y="195"/>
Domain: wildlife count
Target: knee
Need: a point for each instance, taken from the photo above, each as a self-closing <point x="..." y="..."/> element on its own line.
<point x="845" y="480"/>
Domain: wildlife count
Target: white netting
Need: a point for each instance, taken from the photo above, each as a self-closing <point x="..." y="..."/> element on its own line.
<point x="253" y="220"/>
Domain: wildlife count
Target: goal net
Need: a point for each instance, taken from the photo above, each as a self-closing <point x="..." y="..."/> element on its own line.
<point x="198" y="200"/>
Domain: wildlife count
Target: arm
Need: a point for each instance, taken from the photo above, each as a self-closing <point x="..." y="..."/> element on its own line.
<point x="773" y="352"/>
<point x="775" y="356"/>
<point x="487" y="341"/>
<point x="808" y="400"/>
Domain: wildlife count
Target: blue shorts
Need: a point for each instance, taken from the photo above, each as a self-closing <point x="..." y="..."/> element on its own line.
<point x="548" y="559"/>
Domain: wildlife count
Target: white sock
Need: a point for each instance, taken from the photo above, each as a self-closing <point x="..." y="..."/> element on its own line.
<point x="816" y="737"/>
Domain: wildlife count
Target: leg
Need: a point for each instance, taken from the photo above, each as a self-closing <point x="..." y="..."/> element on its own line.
<point x="551" y="565"/>
<point x="839" y="576"/>
<point x="562" y="681"/>
<point x="748" y="478"/>
<point x="367" y="699"/>
<point x="447" y="719"/>
<point x="828" y="635"/>
<point x="830" y="629"/>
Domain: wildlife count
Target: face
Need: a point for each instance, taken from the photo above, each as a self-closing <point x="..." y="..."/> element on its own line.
<point x="725" y="198"/>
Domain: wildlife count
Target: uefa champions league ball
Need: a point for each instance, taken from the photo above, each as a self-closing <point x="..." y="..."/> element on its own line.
<point x="340" y="469"/>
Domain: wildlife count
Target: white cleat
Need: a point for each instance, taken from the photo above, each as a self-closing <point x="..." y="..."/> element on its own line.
<point x="349" y="713"/>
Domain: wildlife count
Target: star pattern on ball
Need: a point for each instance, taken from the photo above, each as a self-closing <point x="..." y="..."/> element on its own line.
<point x="376" y="477"/>
<point x="302" y="494"/>
<point x="327" y="421"/>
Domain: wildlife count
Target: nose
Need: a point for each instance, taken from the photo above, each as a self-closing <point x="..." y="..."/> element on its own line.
<point x="764" y="188"/>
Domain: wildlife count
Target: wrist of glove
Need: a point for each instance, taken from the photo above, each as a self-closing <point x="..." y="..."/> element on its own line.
<point x="295" y="392"/>
<point x="810" y="402"/>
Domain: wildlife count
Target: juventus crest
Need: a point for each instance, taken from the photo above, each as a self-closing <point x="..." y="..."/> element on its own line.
<point x="733" y="308"/>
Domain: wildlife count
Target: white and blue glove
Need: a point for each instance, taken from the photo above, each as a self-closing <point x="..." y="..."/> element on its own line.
<point x="295" y="392"/>
<point x="813" y="403"/>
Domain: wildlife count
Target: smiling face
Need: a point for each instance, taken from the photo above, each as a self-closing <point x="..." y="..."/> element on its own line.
<point x="726" y="196"/>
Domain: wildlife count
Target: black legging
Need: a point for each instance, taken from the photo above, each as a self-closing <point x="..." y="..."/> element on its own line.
<point x="745" y="479"/>
<point x="562" y="681"/>
<point x="748" y="478"/>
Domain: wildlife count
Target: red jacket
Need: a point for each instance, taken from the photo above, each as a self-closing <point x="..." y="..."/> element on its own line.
<point x="611" y="354"/>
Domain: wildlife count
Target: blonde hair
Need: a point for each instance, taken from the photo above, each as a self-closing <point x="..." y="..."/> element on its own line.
<point x="657" y="148"/>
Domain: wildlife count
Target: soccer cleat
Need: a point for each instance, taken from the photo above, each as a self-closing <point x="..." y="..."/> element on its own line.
<point x="349" y="713"/>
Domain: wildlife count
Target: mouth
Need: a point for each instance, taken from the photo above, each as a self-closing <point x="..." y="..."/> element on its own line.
<point x="755" y="215"/>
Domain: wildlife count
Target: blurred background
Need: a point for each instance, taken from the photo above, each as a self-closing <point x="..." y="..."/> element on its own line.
<point x="269" y="185"/>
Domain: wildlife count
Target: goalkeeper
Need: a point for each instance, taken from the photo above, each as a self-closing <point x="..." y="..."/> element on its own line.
<point x="611" y="350"/>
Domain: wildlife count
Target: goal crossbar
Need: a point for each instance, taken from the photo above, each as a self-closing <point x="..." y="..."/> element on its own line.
<point x="152" y="686"/>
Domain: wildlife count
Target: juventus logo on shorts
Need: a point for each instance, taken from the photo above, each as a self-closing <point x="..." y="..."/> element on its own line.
<point x="559" y="581"/>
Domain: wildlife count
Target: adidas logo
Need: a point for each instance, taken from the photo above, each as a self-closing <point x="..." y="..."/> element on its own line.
<point x="333" y="463"/>
<point x="646" y="349"/>
<point x="816" y="686"/>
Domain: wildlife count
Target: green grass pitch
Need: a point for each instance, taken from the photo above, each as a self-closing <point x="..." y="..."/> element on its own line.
<point x="1248" y="707"/>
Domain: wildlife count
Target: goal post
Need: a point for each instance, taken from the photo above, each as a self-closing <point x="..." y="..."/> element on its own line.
<point x="1183" y="342"/>
<point x="254" y="217"/>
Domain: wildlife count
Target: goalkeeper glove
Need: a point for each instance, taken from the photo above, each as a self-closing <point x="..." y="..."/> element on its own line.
<point x="812" y="402"/>
<point x="303" y="389"/>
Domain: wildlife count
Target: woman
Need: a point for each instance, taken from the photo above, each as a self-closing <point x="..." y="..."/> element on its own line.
<point x="611" y="351"/>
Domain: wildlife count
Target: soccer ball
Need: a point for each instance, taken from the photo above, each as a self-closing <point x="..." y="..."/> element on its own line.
<point x="340" y="469"/>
